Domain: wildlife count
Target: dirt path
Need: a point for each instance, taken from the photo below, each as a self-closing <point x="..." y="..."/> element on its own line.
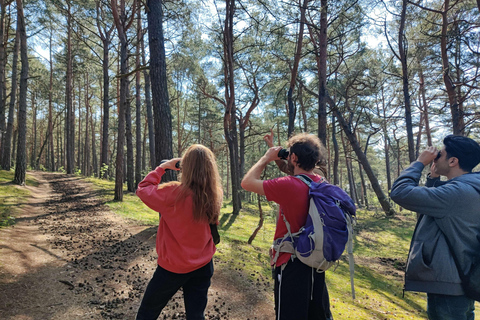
<point x="69" y="257"/>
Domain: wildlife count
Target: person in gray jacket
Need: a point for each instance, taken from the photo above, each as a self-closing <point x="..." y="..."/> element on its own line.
<point x="447" y="209"/>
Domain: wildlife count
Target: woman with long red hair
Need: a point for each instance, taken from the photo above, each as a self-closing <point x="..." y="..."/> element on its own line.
<point x="184" y="243"/>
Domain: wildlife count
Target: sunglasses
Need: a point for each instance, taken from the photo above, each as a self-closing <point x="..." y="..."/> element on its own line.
<point x="438" y="155"/>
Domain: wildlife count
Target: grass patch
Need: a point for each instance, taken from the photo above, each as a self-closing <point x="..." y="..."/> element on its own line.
<point x="130" y="208"/>
<point x="11" y="196"/>
<point x="381" y="248"/>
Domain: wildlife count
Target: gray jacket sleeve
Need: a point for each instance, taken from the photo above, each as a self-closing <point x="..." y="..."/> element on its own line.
<point x="435" y="202"/>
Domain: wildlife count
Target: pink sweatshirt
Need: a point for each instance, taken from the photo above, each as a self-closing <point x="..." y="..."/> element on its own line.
<point x="183" y="245"/>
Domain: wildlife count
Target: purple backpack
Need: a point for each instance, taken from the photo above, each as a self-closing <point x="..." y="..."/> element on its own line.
<point x="328" y="229"/>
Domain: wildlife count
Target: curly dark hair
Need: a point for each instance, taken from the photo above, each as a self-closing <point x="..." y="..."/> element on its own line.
<point x="308" y="149"/>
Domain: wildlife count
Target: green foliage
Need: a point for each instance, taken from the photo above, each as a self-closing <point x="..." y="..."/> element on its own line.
<point x="103" y="169"/>
<point x="11" y="196"/>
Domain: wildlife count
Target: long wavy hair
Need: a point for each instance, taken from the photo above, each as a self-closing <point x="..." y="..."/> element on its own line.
<point x="200" y="180"/>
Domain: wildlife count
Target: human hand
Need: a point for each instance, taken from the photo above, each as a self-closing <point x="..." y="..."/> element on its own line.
<point x="428" y="155"/>
<point x="269" y="138"/>
<point x="172" y="164"/>
<point x="272" y="154"/>
<point x="433" y="174"/>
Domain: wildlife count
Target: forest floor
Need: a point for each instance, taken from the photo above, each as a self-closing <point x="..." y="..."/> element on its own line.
<point x="69" y="257"/>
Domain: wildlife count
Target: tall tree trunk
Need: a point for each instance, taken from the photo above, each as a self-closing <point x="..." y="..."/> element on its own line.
<point x="406" y="94"/>
<point x="86" y="153"/>
<point x="260" y="222"/>
<point x="129" y="136"/>
<point x="51" y="157"/>
<point x="387" y="208"/>
<point x="420" y="131"/>
<point x="94" y="147"/>
<point x="79" y="140"/>
<point x="158" y="77"/>
<point x="229" y="119"/>
<point x="424" y="108"/>
<point x="21" y="162"/>
<point x="60" y="151"/>
<point x="34" y="133"/>
<point x="336" y="152"/>
<point x="457" y="115"/>
<point x="2" y="80"/>
<point x="7" y="155"/>
<point x="363" y="190"/>
<point x="138" y="103"/>
<point x="105" y="36"/>
<point x="144" y="147"/>
<point x="70" y="119"/>
<point x="120" y="18"/>
<point x="387" y="158"/>
<point x="303" y="109"/>
<point x="296" y="62"/>
<point x="348" y="165"/>
<point x="364" y="186"/>
<point x="148" y="105"/>
<point x="244" y="121"/>
<point x="322" y="73"/>
<point x="104" y="162"/>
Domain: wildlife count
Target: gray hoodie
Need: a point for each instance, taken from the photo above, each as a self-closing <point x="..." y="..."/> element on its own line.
<point x="450" y="209"/>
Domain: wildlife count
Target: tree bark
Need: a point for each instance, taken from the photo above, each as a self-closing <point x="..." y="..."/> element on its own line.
<point x="158" y="77"/>
<point x="148" y="105"/>
<point x="34" y="133"/>
<point x="7" y="155"/>
<point x="336" y="152"/>
<point x="260" y="222"/>
<point x="387" y="208"/>
<point x="2" y="80"/>
<point x="51" y="157"/>
<point x="21" y="162"/>
<point x="296" y="62"/>
<point x="457" y="116"/>
<point x="138" y="104"/>
<point x="424" y="108"/>
<point x="229" y="119"/>
<point x="406" y="94"/>
<point x="322" y="73"/>
<point x="105" y="36"/>
<point x="129" y="137"/>
<point x="122" y="22"/>
<point x="70" y="117"/>
<point x="86" y="153"/>
<point x="94" y="169"/>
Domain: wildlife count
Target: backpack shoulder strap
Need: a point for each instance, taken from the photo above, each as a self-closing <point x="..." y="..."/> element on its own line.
<point x="305" y="179"/>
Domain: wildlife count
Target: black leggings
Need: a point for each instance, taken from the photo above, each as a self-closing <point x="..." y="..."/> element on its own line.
<point x="164" y="284"/>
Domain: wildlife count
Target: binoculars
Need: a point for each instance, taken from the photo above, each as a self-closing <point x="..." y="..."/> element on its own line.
<point x="177" y="165"/>
<point x="283" y="154"/>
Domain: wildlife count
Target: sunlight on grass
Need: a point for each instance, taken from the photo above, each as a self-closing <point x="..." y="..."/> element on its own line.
<point x="130" y="208"/>
<point x="11" y="195"/>
<point x="380" y="248"/>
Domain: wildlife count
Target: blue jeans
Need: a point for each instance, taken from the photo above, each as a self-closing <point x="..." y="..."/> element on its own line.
<point x="444" y="307"/>
<point x="164" y="284"/>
